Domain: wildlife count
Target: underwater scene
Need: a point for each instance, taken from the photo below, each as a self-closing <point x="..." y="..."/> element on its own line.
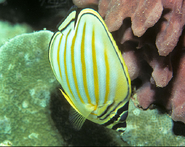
<point x="92" y="73"/>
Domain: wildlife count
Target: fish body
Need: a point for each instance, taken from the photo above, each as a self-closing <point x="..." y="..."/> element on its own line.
<point x="89" y="66"/>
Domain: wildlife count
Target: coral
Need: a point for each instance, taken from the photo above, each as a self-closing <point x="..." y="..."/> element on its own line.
<point x="6" y="143"/>
<point x="144" y="14"/>
<point x="178" y="92"/>
<point x="9" y="31"/>
<point x="26" y="83"/>
<point x="150" y="36"/>
<point x="5" y="125"/>
<point x="172" y="27"/>
<point x="150" y="128"/>
<point x="144" y="95"/>
<point x="130" y="56"/>
<point x="85" y="3"/>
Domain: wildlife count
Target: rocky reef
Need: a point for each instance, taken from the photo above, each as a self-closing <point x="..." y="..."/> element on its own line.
<point x="151" y="37"/>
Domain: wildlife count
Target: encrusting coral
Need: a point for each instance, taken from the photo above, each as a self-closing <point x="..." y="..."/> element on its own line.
<point x="150" y="128"/>
<point x="150" y="35"/>
<point x="9" y="31"/>
<point x="26" y="82"/>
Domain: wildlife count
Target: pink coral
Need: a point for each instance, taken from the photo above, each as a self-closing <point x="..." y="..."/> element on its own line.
<point x="144" y="14"/>
<point x="150" y="33"/>
<point x="178" y="92"/>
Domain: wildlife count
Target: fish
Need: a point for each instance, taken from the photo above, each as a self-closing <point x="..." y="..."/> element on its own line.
<point x="86" y="61"/>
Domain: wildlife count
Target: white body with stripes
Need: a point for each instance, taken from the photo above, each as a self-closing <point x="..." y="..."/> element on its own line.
<point x="87" y="63"/>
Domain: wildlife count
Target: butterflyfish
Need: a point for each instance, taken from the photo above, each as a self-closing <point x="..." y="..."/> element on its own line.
<point x="89" y="66"/>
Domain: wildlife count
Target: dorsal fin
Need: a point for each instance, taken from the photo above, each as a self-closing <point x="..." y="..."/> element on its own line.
<point x="68" y="21"/>
<point x="77" y="13"/>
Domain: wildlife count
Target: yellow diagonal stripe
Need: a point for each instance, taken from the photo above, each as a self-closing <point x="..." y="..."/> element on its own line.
<point x="107" y="76"/>
<point x="58" y="56"/>
<point x="73" y="66"/>
<point x="65" y="65"/>
<point x="84" y="65"/>
<point x="95" y="69"/>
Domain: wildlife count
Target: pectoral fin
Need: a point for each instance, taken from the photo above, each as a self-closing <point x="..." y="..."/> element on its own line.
<point x="76" y="119"/>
